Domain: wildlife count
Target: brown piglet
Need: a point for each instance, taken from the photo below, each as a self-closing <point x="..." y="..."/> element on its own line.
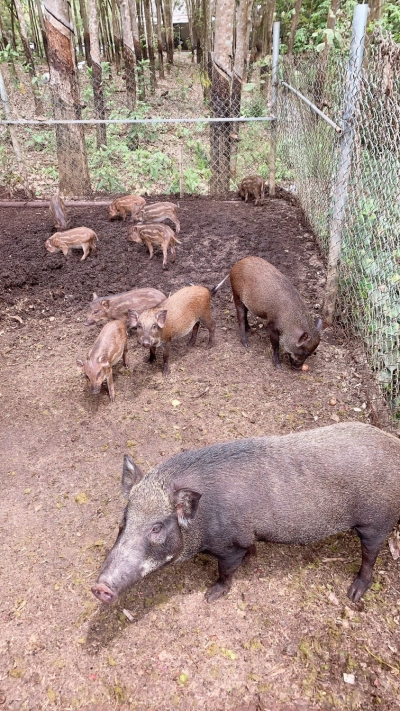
<point x="109" y="347"/>
<point x="158" y="212"/>
<point x="58" y="211"/>
<point x="78" y="238"/>
<point x="252" y="185"/>
<point x="180" y="314"/>
<point x="261" y="288"/>
<point x="121" y="206"/>
<point x="116" y="306"/>
<point x="155" y="235"/>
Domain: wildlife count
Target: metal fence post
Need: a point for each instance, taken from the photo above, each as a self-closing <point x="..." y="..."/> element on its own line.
<point x="274" y="96"/>
<point x="351" y="99"/>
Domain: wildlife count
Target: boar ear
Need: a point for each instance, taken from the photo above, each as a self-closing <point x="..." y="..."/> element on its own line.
<point x="131" y="474"/>
<point x="186" y="503"/>
<point x="303" y="337"/>
<point x="106" y="303"/>
<point x="133" y="318"/>
<point x="161" y="318"/>
<point x="79" y="362"/>
<point x="319" y="324"/>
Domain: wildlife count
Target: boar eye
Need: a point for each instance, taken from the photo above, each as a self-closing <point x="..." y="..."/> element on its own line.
<point x="99" y="374"/>
<point x="157" y="528"/>
<point x="154" y="327"/>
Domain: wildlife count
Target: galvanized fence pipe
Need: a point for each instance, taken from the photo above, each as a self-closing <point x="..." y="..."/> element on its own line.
<point x="274" y="97"/>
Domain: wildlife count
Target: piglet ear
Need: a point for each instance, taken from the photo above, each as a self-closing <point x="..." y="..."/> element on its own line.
<point x="95" y="296"/>
<point x="131" y="475"/>
<point x="106" y="303"/>
<point x="133" y="319"/>
<point x="185" y="502"/>
<point x="79" y="362"/>
<point x="161" y="318"/>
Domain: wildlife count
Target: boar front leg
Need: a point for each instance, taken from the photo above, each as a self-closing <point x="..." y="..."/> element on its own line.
<point x="110" y="384"/>
<point x="226" y="568"/>
<point x="150" y="248"/>
<point x="274" y="338"/>
<point x="124" y="355"/>
<point x="371" y="543"/>
<point x="241" y="312"/>
<point x="167" y="348"/>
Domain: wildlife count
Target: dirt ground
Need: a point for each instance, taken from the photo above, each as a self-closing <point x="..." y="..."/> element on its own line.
<point x="286" y="637"/>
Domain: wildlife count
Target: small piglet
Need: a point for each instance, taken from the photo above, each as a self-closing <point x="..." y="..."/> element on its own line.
<point x="78" y="238"/>
<point x="58" y="211"/>
<point x="155" y="235"/>
<point x="121" y="206"/>
<point x="109" y="347"/>
<point x="295" y="489"/>
<point x="175" y="317"/>
<point x="158" y="212"/>
<point x="116" y="306"/>
<point x="259" y="287"/>
<point x="252" y="185"/>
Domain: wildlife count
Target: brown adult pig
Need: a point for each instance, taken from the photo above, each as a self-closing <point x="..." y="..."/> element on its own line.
<point x="121" y="206"/>
<point x="159" y="212"/>
<point x="78" y="238"/>
<point x="109" y="347"/>
<point x="58" y="211"/>
<point x="252" y="185"/>
<point x="260" y="287"/>
<point x="155" y="235"/>
<point x="298" y="488"/>
<point x="116" y="306"/>
<point x="175" y="317"/>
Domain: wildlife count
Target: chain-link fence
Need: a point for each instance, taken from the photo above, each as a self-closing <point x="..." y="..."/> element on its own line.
<point x="313" y="163"/>
<point x="158" y="147"/>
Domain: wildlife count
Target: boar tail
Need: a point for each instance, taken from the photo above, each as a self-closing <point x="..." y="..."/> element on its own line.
<point x="217" y="288"/>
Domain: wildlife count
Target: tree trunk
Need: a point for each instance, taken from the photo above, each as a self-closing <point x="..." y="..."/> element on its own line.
<point x="78" y="34"/>
<point x="293" y="27"/>
<point x="86" y="36"/>
<point x="220" y="96"/>
<point x="42" y="26"/>
<point x="71" y="150"/>
<point x="138" y="49"/>
<point x="159" y="41"/>
<point x="117" y="35"/>
<point x="190" y="13"/>
<point x="242" y="35"/>
<point x="150" y="44"/>
<point x="169" y="33"/>
<point x="97" y="81"/>
<point x="28" y="55"/>
<point x="206" y="58"/>
<point x="35" y="28"/>
<point x="375" y="10"/>
<point x="319" y="84"/>
<point x="129" y="54"/>
<point x="142" y="33"/>
<point x="109" y="32"/>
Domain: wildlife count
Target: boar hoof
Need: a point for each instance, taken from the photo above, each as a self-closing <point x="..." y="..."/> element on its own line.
<point x="357" y="589"/>
<point x="216" y="591"/>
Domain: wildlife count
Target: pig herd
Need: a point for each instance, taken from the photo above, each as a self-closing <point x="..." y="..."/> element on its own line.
<point x="222" y="499"/>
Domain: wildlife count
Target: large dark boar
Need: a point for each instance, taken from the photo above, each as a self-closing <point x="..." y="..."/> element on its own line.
<point x="298" y="488"/>
<point x="261" y="288"/>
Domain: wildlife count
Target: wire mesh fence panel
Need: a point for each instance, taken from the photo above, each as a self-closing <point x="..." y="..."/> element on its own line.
<point x="309" y="155"/>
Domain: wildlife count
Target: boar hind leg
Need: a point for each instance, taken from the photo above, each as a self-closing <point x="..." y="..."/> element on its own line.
<point x="177" y="225"/>
<point x="226" y="568"/>
<point x="194" y="334"/>
<point x="85" y="248"/>
<point x="371" y="543"/>
<point x="164" y="248"/>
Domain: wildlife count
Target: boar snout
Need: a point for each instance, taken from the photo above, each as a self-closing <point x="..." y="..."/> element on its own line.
<point x="104" y="593"/>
